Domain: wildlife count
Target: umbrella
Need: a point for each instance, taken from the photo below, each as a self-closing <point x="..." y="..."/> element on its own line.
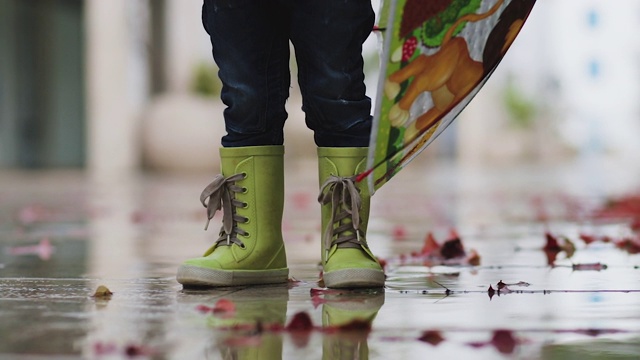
<point x="436" y="56"/>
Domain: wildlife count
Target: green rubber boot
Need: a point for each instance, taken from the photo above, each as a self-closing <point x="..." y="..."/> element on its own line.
<point x="355" y="312"/>
<point x="346" y="259"/>
<point x="250" y="249"/>
<point x="241" y="336"/>
<point x="238" y="332"/>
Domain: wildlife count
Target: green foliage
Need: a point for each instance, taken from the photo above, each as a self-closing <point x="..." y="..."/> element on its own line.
<point x="521" y="109"/>
<point x="433" y="31"/>
<point x="205" y="80"/>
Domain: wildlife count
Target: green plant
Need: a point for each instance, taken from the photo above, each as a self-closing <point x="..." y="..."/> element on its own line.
<point x="205" y="80"/>
<point x="521" y="109"/>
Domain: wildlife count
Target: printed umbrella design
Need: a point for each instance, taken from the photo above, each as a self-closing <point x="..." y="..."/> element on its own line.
<point x="437" y="54"/>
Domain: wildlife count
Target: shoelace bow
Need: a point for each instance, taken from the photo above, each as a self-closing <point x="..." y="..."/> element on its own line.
<point x="345" y="201"/>
<point x="219" y="195"/>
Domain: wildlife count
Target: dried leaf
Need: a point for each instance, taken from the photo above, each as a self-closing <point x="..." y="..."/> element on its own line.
<point x="130" y="350"/>
<point x="430" y="245"/>
<point x="383" y="263"/>
<point x="491" y="292"/>
<point x="451" y="253"/>
<point x="102" y="349"/>
<point x="204" y="308"/>
<point x="588" y="239"/>
<point x="504" y="341"/>
<point x="359" y="325"/>
<point x="552" y="244"/>
<point x="102" y="292"/>
<point x="452" y="248"/>
<point x="625" y="208"/>
<point x="568" y="247"/>
<point x="399" y="233"/>
<point x="587" y="267"/>
<point x="300" y="328"/>
<point x="300" y="322"/>
<point x="316" y="301"/>
<point x="137" y="350"/>
<point x="551" y="257"/>
<point x="553" y="247"/>
<point x="224" y="308"/>
<point x="432" y="337"/>
<point x="293" y="282"/>
<point x="473" y="258"/>
<point x="630" y="245"/>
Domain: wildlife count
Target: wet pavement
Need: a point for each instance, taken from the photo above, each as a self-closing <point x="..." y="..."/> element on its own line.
<point x="535" y="273"/>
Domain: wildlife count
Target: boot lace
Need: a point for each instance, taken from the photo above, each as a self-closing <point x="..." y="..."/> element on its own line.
<point x="344" y="197"/>
<point x="220" y="195"/>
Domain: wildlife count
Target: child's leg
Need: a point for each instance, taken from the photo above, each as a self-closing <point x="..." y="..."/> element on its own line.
<point x="328" y="37"/>
<point x="251" y="47"/>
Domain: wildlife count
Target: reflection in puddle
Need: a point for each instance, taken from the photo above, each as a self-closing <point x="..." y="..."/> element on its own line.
<point x="59" y="243"/>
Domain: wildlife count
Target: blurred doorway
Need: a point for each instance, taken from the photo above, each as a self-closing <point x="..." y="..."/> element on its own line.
<point x="42" y="116"/>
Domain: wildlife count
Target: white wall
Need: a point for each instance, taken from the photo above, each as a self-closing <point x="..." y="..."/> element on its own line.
<point x="553" y="61"/>
<point x="187" y="43"/>
<point x="597" y="60"/>
<point x="117" y="83"/>
<point x="580" y="61"/>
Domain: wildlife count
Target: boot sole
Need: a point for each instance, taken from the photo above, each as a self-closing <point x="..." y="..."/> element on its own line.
<point x="354" y="278"/>
<point x="197" y="276"/>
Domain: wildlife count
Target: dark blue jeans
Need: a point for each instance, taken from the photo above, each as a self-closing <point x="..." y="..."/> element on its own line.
<point x="250" y="41"/>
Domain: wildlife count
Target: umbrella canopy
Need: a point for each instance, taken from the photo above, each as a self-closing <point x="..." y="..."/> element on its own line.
<point x="436" y="56"/>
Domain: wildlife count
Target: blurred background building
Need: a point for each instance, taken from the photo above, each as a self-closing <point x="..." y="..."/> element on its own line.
<point x="120" y="85"/>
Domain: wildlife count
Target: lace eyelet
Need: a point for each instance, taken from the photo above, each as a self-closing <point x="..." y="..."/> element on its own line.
<point x="244" y="190"/>
<point x="244" y="175"/>
<point x="245" y="205"/>
<point x="243" y="246"/>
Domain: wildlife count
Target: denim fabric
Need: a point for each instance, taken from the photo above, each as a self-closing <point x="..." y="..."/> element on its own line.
<point x="250" y="40"/>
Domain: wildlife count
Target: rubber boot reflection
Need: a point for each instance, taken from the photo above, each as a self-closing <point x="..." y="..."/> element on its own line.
<point x="353" y="314"/>
<point x="244" y="337"/>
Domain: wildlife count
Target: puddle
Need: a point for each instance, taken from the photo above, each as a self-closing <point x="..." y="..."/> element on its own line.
<point x="578" y="299"/>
